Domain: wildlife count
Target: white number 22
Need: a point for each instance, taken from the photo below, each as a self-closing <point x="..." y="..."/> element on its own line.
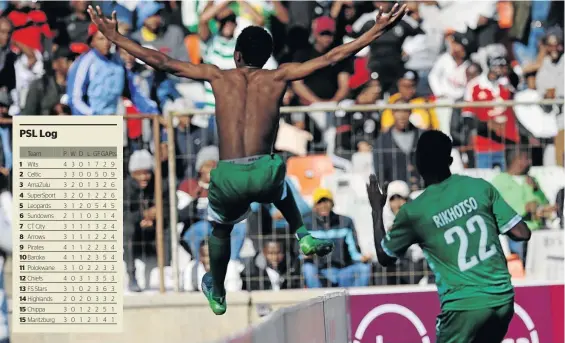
<point x="484" y="252"/>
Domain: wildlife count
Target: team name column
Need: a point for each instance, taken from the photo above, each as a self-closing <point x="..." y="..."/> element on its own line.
<point x="68" y="227"/>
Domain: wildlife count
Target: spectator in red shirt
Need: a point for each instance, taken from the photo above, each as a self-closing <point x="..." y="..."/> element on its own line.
<point x="497" y="126"/>
<point x="30" y="24"/>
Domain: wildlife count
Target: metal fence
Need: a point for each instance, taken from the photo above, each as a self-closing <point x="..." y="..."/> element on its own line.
<point x="261" y="227"/>
<point x="174" y="144"/>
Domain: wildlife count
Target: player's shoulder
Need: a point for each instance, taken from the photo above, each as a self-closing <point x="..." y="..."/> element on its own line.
<point x="469" y="179"/>
<point x="411" y="207"/>
<point x="471" y="183"/>
<point x="456" y="181"/>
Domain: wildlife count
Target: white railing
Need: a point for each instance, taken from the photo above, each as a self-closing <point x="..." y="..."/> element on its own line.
<point x="379" y="107"/>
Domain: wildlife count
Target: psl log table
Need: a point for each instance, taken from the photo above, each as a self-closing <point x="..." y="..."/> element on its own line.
<point x="68" y="199"/>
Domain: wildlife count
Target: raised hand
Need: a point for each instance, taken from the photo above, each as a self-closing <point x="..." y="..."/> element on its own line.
<point x="377" y="198"/>
<point x="108" y="27"/>
<point x="386" y="21"/>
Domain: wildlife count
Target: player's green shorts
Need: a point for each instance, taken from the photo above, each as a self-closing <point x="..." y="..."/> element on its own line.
<point x="235" y="184"/>
<point x="474" y="326"/>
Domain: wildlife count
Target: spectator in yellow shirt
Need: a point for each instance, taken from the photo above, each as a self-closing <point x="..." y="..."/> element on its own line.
<point x="422" y="118"/>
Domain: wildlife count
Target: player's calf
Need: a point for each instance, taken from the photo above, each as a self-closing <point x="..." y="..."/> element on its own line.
<point x="308" y="244"/>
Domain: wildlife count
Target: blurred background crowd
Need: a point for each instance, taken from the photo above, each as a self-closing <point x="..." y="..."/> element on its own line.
<point x="54" y="62"/>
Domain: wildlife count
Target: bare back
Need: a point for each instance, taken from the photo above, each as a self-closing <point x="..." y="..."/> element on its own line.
<point x="247" y="111"/>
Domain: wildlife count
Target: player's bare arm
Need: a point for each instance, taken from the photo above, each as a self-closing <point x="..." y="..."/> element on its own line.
<point x="520" y="232"/>
<point x="377" y="199"/>
<point x="109" y="28"/>
<point x="383" y="23"/>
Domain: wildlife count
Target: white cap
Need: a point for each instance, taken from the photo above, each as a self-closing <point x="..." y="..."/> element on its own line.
<point x="141" y="160"/>
<point x="398" y="188"/>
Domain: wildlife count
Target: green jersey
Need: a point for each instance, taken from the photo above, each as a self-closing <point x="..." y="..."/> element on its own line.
<point x="457" y="223"/>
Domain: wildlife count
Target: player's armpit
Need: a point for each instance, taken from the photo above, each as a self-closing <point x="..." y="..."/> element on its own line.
<point x="520" y="232"/>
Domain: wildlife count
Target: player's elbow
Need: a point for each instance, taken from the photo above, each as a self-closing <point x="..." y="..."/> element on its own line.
<point x="160" y="64"/>
<point x="520" y="232"/>
<point x="527" y="235"/>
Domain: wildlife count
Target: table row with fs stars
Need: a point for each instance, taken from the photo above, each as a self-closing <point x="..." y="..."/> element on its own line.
<point x="68" y="229"/>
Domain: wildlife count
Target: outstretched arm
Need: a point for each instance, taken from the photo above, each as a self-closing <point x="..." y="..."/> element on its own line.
<point x="383" y="23"/>
<point x="156" y="59"/>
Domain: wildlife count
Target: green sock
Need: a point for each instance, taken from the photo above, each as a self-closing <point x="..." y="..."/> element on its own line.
<point x="219" y="250"/>
<point x="292" y="214"/>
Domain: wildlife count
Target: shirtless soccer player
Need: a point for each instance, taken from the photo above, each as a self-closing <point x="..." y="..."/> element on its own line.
<point x="456" y="221"/>
<point x="247" y="113"/>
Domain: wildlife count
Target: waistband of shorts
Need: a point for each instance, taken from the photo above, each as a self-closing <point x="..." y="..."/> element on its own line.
<point x="245" y="160"/>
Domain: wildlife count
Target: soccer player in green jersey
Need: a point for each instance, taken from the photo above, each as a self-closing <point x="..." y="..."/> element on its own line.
<point x="456" y="221"/>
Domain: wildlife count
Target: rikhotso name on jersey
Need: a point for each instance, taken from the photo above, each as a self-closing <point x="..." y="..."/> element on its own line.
<point x="455" y="212"/>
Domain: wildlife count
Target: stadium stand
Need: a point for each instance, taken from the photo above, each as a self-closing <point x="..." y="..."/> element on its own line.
<point x="441" y="55"/>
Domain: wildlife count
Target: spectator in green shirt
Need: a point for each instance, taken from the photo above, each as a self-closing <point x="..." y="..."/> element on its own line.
<point x="524" y="196"/>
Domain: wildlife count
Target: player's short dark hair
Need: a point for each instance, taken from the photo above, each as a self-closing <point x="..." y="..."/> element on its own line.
<point x="255" y="45"/>
<point x="433" y="152"/>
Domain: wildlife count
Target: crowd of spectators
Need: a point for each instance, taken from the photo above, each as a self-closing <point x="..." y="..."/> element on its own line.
<point x="53" y="61"/>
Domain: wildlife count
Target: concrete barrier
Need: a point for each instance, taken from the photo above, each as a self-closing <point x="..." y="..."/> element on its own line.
<point x="323" y="319"/>
<point x="336" y="317"/>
